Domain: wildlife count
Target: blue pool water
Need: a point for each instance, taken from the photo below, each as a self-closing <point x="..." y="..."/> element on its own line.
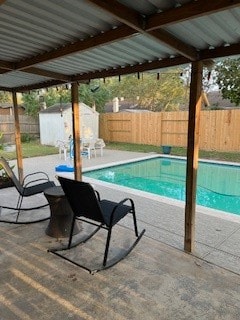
<point x="218" y="185"/>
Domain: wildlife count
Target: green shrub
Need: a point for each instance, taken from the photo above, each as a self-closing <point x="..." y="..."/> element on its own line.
<point x="1" y="144"/>
<point x="27" y="137"/>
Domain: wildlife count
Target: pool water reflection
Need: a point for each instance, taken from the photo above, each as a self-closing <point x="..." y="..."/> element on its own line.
<point x="218" y="185"/>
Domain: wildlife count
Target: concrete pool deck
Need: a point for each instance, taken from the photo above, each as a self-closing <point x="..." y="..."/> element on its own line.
<point x="217" y="233"/>
<point x="157" y="280"/>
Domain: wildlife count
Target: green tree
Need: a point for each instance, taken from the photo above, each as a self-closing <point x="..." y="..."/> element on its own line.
<point x="96" y="93"/>
<point x="5" y="97"/>
<point x="57" y="95"/>
<point x="228" y="79"/>
<point x="156" y="93"/>
<point x="31" y="103"/>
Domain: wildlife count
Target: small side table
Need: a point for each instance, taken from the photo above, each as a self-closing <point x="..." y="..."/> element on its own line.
<point x="61" y="214"/>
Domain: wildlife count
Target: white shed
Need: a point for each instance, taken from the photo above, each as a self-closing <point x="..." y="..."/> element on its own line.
<point x="56" y="123"/>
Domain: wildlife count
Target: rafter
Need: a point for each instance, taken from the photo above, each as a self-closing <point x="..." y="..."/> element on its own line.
<point x="122" y="13"/>
<point x="230" y="50"/>
<point x="173" y="42"/>
<point x="156" y="64"/>
<point x="79" y="46"/>
<point x="37" y="71"/>
<point x="48" y="74"/>
<point x="6" y="65"/>
<point x="134" y="23"/>
<point x="133" y="19"/>
<point x="40" y="85"/>
<point x="187" y="11"/>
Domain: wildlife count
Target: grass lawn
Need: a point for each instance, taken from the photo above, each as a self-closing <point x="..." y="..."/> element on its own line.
<point x="30" y="149"/>
<point x="34" y="149"/>
<point x="177" y="151"/>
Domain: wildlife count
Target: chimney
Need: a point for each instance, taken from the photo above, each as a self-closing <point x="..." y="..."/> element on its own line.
<point x="115" y="104"/>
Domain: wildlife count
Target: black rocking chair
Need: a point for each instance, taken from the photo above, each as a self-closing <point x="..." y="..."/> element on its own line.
<point x="33" y="184"/>
<point x="87" y="206"/>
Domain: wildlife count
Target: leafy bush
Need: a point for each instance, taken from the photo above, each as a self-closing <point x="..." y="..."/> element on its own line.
<point x="26" y="137"/>
<point x="1" y="144"/>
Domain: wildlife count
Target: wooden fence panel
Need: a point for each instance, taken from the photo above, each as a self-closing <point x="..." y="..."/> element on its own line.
<point x="219" y="129"/>
<point x="28" y="125"/>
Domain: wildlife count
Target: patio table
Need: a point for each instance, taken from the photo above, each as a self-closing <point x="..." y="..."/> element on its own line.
<point x="61" y="214"/>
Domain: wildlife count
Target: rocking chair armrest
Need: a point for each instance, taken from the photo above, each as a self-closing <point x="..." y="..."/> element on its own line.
<point x="123" y="201"/>
<point x="98" y="195"/>
<point x="44" y="177"/>
<point x="120" y="204"/>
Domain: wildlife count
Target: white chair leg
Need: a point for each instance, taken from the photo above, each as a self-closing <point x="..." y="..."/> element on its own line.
<point x="65" y="153"/>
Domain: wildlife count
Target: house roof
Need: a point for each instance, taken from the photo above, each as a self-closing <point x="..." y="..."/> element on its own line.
<point x="61" y="107"/>
<point x="215" y="99"/>
<point x="46" y="43"/>
<point x="7" y="105"/>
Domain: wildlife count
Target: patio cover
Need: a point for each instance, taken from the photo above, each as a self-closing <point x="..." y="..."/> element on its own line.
<point x="49" y="43"/>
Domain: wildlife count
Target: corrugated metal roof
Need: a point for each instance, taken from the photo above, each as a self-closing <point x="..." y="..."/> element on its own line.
<point x="32" y="28"/>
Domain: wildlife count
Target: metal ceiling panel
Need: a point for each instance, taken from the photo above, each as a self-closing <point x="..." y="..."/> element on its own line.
<point x="30" y="28"/>
<point x="210" y="31"/>
<point x="138" y="49"/>
<point x="17" y="78"/>
<point x="43" y="25"/>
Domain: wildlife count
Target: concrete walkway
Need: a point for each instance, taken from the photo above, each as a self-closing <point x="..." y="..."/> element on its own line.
<point x="156" y="281"/>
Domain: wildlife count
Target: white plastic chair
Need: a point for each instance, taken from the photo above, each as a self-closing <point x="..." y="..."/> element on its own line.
<point x="99" y="144"/>
<point x="63" y="147"/>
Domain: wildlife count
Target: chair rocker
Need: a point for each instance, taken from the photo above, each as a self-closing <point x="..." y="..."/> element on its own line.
<point x="33" y="184"/>
<point x="104" y="214"/>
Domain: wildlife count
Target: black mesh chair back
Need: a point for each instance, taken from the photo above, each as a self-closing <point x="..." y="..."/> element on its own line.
<point x="87" y="206"/>
<point x="11" y="175"/>
<point x="33" y="184"/>
<point x="82" y="199"/>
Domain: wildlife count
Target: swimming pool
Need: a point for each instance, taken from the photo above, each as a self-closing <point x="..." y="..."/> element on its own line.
<point x="218" y="185"/>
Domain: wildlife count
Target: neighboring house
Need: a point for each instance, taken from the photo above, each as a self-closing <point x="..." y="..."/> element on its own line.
<point x="215" y="100"/>
<point x="118" y="105"/>
<point x="6" y="109"/>
<point x="56" y="123"/>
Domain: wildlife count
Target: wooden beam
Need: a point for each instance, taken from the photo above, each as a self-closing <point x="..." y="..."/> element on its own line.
<point x="157" y="64"/>
<point x="76" y="132"/>
<point x="17" y="138"/>
<point x="39" y="85"/>
<point x="220" y="52"/>
<point x="84" y="78"/>
<point x="107" y="37"/>
<point x="48" y="74"/>
<point x="192" y="154"/>
<point x="7" y="65"/>
<point x="121" y="13"/>
<point x="2" y="71"/>
<point x="6" y="89"/>
<point x="191" y="10"/>
<point x="174" y="43"/>
<point x="133" y="19"/>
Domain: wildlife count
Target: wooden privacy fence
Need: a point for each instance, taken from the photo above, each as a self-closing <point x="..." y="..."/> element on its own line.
<point x="219" y="129"/>
<point x="28" y="125"/>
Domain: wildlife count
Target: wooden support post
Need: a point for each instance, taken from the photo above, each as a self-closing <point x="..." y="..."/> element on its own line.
<point x="192" y="154"/>
<point x="76" y="133"/>
<point x="17" y="138"/>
